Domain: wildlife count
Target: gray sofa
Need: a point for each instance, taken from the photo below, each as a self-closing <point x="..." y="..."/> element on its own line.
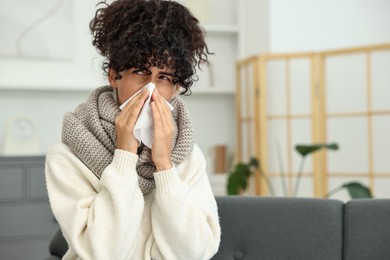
<point x="258" y="228"/>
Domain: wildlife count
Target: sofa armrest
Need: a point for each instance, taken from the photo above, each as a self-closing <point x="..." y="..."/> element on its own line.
<point x="367" y="229"/>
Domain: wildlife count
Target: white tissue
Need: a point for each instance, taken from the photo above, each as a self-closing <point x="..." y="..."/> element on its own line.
<point x="144" y="127"/>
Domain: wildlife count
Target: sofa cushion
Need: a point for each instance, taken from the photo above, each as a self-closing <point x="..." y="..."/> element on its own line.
<point x="261" y="228"/>
<point x="367" y="229"/>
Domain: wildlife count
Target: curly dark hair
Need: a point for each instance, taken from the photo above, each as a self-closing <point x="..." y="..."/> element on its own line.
<point x="145" y="33"/>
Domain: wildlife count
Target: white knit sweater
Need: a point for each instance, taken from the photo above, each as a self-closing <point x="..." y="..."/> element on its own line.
<point x="111" y="219"/>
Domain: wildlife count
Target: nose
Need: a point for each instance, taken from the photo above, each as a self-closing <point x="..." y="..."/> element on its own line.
<point x="153" y="76"/>
<point x="153" y="80"/>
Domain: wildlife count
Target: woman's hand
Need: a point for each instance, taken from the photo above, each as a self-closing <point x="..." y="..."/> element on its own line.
<point x="163" y="132"/>
<point x="125" y="122"/>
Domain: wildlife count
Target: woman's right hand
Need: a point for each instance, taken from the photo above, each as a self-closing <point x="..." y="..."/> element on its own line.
<point x="125" y="122"/>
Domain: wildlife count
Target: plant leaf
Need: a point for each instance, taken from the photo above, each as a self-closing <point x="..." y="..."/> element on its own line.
<point x="242" y="170"/>
<point x="357" y="190"/>
<point x="233" y="184"/>
<point x="308" y="149"/>
<point x="238" y="178"/>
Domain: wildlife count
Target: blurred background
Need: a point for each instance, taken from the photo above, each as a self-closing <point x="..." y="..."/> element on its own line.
<point x="284" y="73"/>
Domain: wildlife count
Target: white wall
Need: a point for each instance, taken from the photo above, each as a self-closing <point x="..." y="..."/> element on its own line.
<point x="38" y="86"/>
<point x="255" y="27"/>
<point x="45" y="107"/>
<point x="78" y="71"/>
<point x="305" y="25"/>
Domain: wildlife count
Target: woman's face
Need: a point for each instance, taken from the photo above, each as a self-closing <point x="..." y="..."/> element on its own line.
<point x="133" y="80"/>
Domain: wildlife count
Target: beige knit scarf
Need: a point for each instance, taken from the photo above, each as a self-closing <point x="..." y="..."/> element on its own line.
<point x="90" y="133"/>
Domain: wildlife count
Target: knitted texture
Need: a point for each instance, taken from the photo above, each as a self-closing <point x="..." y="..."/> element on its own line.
<point x="90" y="133"/>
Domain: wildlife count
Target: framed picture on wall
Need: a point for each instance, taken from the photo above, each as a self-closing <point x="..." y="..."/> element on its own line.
<point x="46" y="44"/>
<point x="36" y="29"/>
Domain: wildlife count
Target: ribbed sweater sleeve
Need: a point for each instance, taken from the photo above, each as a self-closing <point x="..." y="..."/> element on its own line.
<point x="184" y="214"/>
<point x="99" y="221"/>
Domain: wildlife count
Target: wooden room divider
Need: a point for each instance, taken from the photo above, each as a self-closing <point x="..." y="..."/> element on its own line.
<point x="286" y="98"/>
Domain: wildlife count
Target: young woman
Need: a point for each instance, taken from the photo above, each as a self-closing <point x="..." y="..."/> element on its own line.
<point x="113" y="196"/>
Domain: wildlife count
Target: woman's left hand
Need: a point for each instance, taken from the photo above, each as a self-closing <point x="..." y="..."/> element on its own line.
<point x="163" y="132"/>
